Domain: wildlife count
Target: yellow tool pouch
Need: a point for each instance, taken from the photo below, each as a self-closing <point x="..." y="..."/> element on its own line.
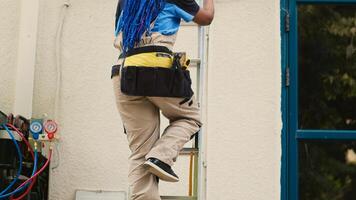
<point x="158" y="73"/>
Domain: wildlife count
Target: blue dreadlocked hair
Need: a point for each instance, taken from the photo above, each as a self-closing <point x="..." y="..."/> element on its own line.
<point x="136" y="19"/>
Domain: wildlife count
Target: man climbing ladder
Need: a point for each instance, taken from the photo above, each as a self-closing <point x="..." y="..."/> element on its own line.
<point x="150" y="78"/>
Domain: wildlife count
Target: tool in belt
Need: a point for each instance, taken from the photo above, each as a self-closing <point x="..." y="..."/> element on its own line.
<point x="154" y="71"/>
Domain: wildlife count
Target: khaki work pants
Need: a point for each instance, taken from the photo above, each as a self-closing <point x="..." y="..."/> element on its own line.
<point x="141" y="118"/>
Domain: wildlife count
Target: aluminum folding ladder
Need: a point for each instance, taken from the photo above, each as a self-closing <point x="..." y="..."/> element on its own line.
<point x="197" y="153"/>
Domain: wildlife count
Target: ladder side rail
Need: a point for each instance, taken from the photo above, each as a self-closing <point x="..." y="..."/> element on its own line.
<point x="203" y="50"/>
<point x="199" y="144"/>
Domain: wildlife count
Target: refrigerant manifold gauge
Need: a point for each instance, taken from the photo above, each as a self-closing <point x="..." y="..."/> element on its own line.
<point x="51" y="128"/>
<point x="36" y="128"/>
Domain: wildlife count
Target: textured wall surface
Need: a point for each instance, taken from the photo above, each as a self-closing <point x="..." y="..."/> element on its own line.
<point x="93" y="148"/>
<point x="9" y="26"/>
<point x="244" y="119"/>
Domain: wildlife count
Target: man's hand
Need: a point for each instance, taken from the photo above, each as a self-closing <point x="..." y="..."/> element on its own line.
<point x="205" y="15"/>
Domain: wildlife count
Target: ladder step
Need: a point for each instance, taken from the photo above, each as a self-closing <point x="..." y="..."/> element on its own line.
<point x="188" y="24"/>
<point x="178" y="198"/>
<point x="188" y="151"/>
<point x="195" y="63"/>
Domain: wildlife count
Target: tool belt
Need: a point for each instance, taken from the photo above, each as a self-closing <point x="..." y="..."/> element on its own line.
<point x="154" y="71"/>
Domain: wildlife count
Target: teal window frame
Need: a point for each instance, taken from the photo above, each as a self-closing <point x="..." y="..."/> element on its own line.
<point x="290" y="132"/>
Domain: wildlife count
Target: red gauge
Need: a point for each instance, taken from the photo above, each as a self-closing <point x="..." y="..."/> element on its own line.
<point x="50" y="127"/>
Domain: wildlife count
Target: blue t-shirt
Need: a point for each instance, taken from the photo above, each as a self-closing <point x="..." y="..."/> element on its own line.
<point x="168" y="21"/>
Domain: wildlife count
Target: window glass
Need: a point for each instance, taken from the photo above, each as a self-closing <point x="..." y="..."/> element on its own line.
<point x="327" y="66"/>
<point x="327" y="170"/>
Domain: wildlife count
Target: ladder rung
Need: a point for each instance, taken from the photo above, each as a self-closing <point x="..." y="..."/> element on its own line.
<point x="189" y="24"/>
<point x="188" y="151"/>
<point x="194" y="63"/>
<point x="178" y="198"/>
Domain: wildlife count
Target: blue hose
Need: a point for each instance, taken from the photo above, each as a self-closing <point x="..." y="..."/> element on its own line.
<point x="25" y="186"/>
<point x="20" y="157"/>
<point x="33" y="173"/>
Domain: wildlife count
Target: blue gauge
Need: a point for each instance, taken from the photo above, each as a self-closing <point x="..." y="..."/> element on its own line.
<point x="36" y="128"/>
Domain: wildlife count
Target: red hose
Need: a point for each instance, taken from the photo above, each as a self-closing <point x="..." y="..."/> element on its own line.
<point x="33" y="178"/>
<point x="23" y="138"/>
<point x="39" y="171"/>
<point x="26" y="192"/>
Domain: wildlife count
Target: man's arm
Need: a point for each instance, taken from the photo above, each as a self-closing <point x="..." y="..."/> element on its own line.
<point x="206" y="14"/>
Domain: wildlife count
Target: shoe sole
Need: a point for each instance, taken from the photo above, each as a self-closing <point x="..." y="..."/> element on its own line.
<point x="164" y="176"/>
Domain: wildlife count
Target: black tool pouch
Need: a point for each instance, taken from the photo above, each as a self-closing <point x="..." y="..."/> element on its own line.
<point x="157" y="81"/>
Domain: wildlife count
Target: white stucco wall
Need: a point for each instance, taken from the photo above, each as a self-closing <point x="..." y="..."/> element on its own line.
<point x="244" y="119"/>
<point x="93" y="148"/>
<point x="9" y="14"/>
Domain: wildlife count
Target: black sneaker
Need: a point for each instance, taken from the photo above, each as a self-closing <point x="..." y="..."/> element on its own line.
<point x="161" y="169"/>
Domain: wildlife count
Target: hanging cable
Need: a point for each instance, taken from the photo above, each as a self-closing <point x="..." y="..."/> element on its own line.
<point x="59" y="58"/>
<point x="20" y="161"/>
<point x="58" y="51"/>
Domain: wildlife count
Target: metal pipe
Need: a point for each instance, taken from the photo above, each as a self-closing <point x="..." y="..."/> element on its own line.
<point x="26" y="57"/>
